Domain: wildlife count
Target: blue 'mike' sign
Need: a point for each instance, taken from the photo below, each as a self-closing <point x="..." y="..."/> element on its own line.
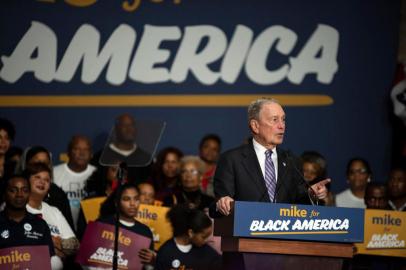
<point x="299" y="222"/>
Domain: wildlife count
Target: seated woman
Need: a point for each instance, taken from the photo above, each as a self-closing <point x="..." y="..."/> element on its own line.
<point x="65" y="241"/>
<point x="56" y="196"/>
<point x="165" y="172"/>
<point x="125" y="200"/>
<point x="358" y="176"/>
<point x="191" y="169"/>
<point x="188" y="248"/>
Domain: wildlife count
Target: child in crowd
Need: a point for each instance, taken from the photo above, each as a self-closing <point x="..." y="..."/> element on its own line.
<point x="188" y="248"/>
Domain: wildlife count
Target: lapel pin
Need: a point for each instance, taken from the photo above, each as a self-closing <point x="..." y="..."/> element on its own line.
<point x="284" y="164"/>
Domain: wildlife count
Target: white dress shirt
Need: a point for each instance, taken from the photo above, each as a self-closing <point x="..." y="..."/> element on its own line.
<point x="260" y="152"/>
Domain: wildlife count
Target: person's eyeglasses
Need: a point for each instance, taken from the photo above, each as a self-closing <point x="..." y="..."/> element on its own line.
<point x="360" y="171"/>
<point x="192" y="172"/>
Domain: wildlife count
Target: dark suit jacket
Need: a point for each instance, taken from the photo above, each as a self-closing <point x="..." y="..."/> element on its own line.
<point x="239" y="176"/>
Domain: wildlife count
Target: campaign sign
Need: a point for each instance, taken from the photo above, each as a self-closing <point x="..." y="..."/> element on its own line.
<point x="155" y="218"/>
<point x="97" y="247"/>
<point x="384" y="233"/>
<point x="25" y="257"/>
<point x="152" y="216"/>
<point x="298" y="222"/>
<point x="91" y="208"/>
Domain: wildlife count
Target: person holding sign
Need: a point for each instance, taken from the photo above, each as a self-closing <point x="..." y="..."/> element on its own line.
<point x="126" y="200"/>
<point x="260" y="170"/>
<point x="18" y="227"/>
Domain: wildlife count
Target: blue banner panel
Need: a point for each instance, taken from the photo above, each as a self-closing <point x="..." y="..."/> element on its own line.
<point x="69" y="67"/>
<point x="298" y="222"/>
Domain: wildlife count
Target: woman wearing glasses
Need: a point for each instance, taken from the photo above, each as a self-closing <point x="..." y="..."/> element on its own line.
<point x="191" y="169"/>
<point x="358" y="176"/>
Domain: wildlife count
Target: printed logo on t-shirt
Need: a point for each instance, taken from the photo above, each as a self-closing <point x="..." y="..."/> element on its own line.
<point x="76" y="191"/>
<point x="5" y="234"/>
<point x="33" y="234"/>
<point x="54" y="229"/>
<point x="175" y="263"/>
<point x="27" y="227"/>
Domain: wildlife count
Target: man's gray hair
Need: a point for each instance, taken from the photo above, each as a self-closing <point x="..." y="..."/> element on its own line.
<point x="255" y="107"/>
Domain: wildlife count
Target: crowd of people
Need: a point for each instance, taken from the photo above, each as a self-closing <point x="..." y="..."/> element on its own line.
<point x="49" y="197"/>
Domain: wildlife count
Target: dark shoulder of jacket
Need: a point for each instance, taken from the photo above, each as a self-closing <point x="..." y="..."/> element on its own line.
<point x="238" y="149"/>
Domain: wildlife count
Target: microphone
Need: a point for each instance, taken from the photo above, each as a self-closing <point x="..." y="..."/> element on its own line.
<point x="311" y="193"/>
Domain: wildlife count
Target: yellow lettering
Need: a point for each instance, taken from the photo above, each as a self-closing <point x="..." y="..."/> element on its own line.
<point x="293" y="212"/>
<point x="107" y="235"/>
<point x="15" y="257"/>
<point x="81" y="3"/>
<point x="131" y="7"/>
<point x="121" y="238"/>
<point x="284" y="212"/>
<point x="5" y="259"/>
<point x="27" y="257"/>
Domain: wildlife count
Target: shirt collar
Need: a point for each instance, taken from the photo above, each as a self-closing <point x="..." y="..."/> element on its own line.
<point x="259" y="148"/>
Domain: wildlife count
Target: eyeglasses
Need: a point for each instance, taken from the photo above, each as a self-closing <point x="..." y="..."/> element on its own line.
<point x="192" y="172"/>
<point x="359" y="171"/>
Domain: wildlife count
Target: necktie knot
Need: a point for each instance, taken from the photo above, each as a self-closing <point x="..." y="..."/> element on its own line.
<point x="268" y="153"/>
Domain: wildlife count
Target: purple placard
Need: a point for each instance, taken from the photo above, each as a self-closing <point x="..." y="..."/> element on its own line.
<point x="25" y="257"/>
<point x="97" y="247"/>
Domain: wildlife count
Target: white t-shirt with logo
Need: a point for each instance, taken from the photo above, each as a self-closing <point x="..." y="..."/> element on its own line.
<point x="56" y="221"/>
<point x="73" y="184"/>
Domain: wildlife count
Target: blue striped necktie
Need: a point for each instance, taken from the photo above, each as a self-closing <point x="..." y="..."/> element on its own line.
<point x="270" y="177"/>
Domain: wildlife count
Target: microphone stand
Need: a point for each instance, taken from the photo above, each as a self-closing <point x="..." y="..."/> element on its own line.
<point x="120" y="177"/>
<point x="310" y="191"/>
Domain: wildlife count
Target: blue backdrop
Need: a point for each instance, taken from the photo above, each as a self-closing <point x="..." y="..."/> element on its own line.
<point x="330" y="63"/>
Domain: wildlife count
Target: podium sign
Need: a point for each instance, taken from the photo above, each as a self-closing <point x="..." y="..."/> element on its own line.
<point x="298" y="222"/>
<point x="384" y="233"/>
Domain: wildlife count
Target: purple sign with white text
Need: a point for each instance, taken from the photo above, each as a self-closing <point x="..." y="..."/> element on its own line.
<point x="25" y="257"/>
<point x="97" y="247"/>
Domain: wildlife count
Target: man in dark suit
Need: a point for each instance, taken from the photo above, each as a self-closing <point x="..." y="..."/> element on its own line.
<point x="259" y="170"/>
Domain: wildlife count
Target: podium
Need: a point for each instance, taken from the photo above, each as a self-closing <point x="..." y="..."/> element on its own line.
<point x="247" y="252"/>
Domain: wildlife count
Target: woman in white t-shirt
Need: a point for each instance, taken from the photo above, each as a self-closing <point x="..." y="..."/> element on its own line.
<point x="358" y="176"/>
<point x="64" y="239"/>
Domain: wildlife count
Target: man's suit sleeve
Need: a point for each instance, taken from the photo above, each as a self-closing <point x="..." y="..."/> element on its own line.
<point x="224" y="177"/>
<point x="223" y="183"/>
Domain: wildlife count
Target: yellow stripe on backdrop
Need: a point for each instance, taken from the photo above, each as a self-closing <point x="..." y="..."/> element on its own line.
<point x="158" y="100"/>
